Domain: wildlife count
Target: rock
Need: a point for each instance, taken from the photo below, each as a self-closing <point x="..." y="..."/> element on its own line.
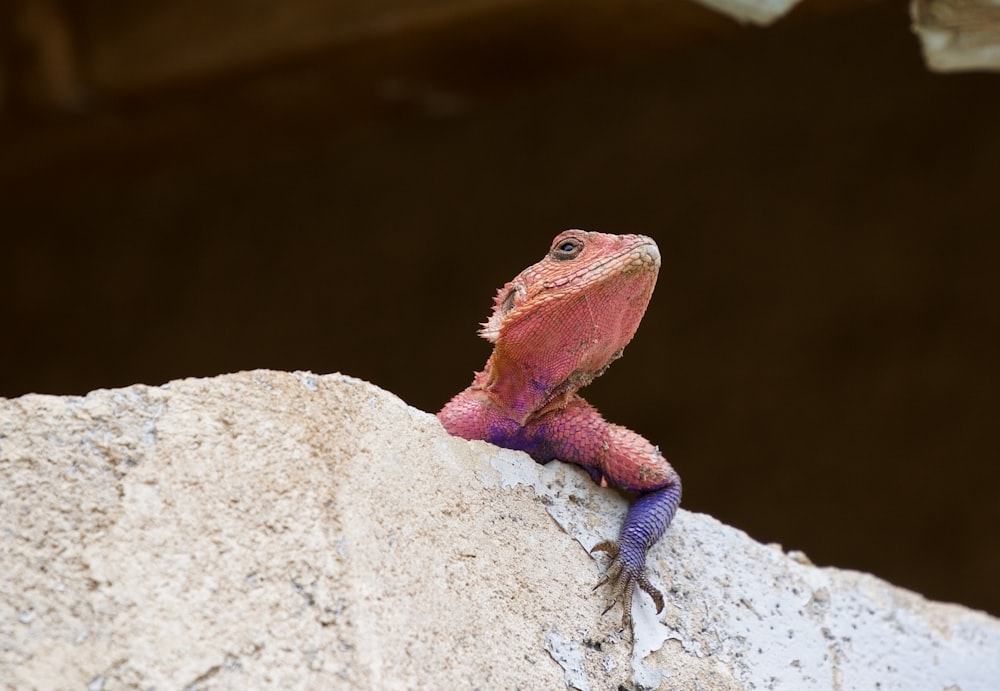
<point x="958" y="35"/>
<point x="276" y="530"/>
<point x="761" y="12"/>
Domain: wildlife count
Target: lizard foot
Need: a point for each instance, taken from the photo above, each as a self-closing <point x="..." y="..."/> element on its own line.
<point x="624" y="575"/>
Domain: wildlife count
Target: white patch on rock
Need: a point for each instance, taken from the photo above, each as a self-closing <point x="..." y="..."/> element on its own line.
<point x="569" y="656"/>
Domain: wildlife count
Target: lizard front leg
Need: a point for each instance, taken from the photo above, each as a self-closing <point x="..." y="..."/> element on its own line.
<point x="644" y="524"/>
<point x="576" y="433"/>
<point x="613" y="454"/>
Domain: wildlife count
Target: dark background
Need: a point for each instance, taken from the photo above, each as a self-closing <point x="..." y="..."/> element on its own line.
<point x="819" y="358"/>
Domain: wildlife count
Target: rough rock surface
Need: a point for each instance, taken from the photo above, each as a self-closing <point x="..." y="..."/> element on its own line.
<point x="958" y="35"/>
<point x="275" y="530"/>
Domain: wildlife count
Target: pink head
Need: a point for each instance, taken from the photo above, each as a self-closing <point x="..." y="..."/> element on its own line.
<point x="559" y="323"/>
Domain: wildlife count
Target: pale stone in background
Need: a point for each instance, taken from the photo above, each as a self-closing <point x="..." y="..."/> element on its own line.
<point x="958" y="35"/>
<point x="274" y="530"/>
<point x="761" y="12"/>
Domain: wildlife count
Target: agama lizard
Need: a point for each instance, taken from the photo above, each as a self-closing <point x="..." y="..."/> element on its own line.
<point x="555" y="328"/>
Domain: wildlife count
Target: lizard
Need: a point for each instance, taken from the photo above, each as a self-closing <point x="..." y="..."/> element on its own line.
<point x="556" y="327"/>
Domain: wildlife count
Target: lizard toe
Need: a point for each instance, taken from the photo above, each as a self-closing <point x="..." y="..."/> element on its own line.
<point x="609" y="546"/>
<point x="622" y="577"/>
<point x="652" y="591"/>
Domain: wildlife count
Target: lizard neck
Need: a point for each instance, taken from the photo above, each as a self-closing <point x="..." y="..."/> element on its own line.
<point x="521" y="389"/>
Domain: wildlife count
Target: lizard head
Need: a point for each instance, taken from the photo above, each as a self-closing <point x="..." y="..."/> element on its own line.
<point x="559" y="323"/>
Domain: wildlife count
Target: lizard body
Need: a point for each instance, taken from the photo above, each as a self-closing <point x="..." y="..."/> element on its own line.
<point x="555" y="328"/>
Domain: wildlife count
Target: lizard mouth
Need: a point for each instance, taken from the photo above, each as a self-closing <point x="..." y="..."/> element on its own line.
<point x="647" y="254"/>
<point x="652" y="251"/>
<point x="643" y="254"/>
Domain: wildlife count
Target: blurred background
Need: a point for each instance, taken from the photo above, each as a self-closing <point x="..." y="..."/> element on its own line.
<point x="189" y="188"/>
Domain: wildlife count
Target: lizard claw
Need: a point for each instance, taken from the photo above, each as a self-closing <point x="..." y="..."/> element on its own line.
<point x="624" y="576"/>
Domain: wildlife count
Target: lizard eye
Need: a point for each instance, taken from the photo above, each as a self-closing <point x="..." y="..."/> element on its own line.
<point x="566" y="249"/>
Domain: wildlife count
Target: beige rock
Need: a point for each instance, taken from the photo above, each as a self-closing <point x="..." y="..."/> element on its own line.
<point x="958" y="35"/>
<point x="762" y="12"/>
<point x="275" y="530"/>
